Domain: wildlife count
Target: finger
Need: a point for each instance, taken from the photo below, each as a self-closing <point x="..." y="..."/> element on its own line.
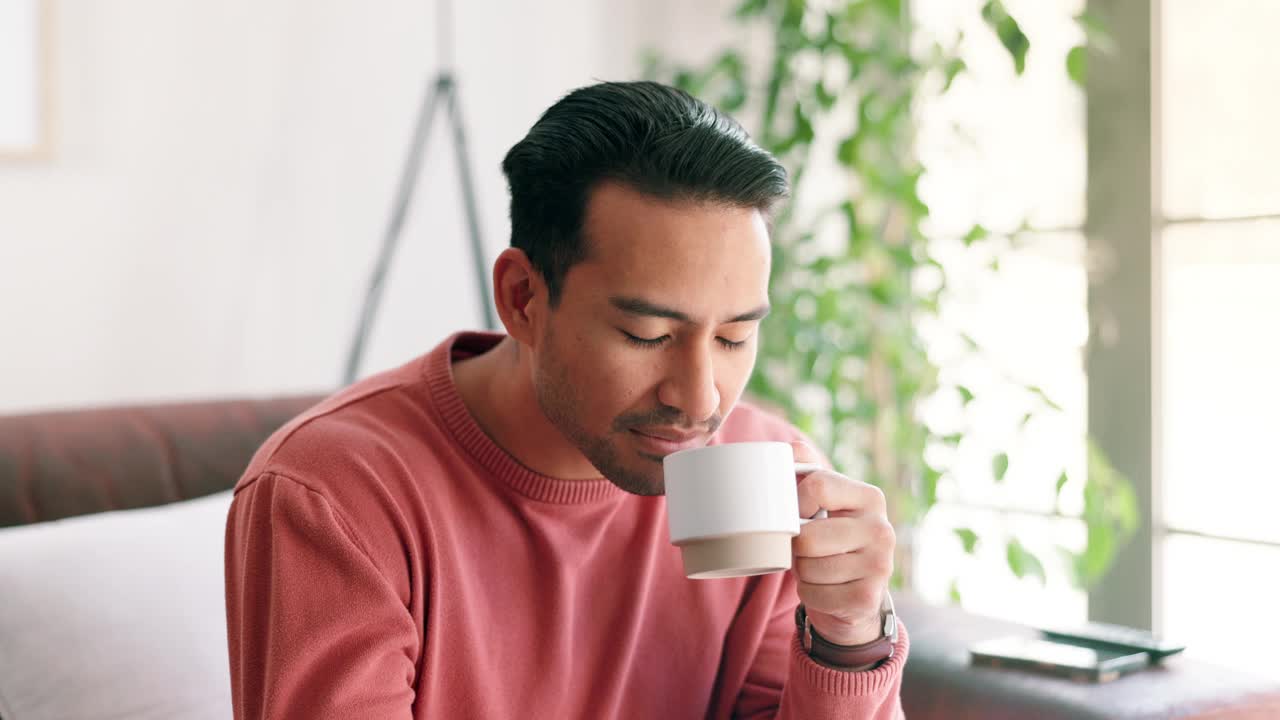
<point x="831" y="491"/>
<point x="806" y="453"/>
<point x="838" y="535"/>
<point x="843" y="568"/>
<point x="847" y="600"/>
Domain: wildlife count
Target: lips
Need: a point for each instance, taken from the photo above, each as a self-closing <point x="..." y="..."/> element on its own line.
<point x="664" y="441"/>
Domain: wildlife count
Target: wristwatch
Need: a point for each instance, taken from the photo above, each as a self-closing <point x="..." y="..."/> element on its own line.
<point x="851" y="656"/>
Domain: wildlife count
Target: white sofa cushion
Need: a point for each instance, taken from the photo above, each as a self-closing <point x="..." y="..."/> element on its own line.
<point x="116" y="615"/>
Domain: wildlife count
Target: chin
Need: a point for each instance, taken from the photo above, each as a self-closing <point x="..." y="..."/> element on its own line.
<point x="646" y="490"/>
<point x="635" y="472"/>
<point x="637" y="483"/>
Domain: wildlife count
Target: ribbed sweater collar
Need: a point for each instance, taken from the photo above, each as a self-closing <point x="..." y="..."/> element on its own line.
<point x="438" y="373"/>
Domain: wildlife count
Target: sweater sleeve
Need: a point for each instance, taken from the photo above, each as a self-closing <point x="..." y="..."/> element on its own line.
<point x="814" y="692"/>
<point x="314" y="628"/>
<point x="784" y="683"/>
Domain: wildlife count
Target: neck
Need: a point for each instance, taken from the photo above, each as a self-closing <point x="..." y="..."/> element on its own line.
<point x="497" y="389"/>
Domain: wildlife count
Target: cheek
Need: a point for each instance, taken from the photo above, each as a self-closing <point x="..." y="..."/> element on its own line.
<point x="615" y="379"/>
<point x="734" y="374"/>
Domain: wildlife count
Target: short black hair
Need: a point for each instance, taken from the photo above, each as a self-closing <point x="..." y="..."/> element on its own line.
<point x="651" y="137"/>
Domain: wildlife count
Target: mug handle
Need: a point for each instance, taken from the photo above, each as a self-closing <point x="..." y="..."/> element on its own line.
<point x="803" y="469"/>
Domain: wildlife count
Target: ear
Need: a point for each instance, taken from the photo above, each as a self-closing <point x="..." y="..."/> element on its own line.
<point x="520" y="295"/>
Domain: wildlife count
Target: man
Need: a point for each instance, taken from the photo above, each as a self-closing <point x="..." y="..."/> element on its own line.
<point x="481" y="533"/>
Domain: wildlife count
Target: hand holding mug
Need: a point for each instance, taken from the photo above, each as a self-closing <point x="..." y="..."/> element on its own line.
<point x="843" y="562"/>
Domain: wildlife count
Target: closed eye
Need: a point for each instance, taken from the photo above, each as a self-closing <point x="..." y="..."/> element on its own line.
<point x="642" y="342"/>
<point x="646" y="342"/>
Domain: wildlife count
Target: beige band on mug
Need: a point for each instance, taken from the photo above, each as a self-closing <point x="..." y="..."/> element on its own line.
<point x="737" y="555"/>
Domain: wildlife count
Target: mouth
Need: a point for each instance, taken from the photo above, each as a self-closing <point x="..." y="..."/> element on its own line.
<point x="656" y="443"/>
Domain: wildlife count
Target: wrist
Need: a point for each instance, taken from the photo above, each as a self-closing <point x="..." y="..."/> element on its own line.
<point x="851" y="657"/>
<point x="840" y="632"/>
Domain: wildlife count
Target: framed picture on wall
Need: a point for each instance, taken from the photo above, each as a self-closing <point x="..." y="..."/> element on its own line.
<point x="24" y="78"/>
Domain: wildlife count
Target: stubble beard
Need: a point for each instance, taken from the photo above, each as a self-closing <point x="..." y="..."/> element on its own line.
<point x="558" y="396"/>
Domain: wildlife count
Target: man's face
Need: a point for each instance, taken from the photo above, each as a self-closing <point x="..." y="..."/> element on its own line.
<point x="655" y="334"/>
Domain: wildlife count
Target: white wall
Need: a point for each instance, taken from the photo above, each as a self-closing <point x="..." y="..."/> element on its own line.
<point x="223" y="171"/>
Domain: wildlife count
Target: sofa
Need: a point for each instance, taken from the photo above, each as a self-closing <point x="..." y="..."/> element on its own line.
<point x="111" y="582"/>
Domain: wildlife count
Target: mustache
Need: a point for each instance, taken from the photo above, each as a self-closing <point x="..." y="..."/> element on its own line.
<point x="665" y="416"/>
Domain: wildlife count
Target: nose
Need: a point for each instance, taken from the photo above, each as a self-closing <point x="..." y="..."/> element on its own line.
<point x="690" y="384"/>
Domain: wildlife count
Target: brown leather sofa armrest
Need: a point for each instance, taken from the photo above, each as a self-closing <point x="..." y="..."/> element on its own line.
<point x="59" y="464"/>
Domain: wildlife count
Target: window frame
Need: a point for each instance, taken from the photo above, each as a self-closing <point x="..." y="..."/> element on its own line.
<point x="1124" y="231"/>
<point x="1122" y="235"/>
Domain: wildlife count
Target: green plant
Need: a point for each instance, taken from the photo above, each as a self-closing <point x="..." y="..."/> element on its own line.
<point x="843" y="355"/>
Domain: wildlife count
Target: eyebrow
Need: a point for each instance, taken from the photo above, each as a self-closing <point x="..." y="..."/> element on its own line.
<point x="642" y="307"/>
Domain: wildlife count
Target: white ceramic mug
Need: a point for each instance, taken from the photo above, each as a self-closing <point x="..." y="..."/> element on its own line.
<point x="732" y="509"/>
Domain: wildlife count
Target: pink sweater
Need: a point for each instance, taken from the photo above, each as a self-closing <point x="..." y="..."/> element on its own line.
<point x="385" y="559"/>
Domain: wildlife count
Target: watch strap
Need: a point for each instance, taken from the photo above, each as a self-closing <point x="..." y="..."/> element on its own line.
<point x="865" y="655"/>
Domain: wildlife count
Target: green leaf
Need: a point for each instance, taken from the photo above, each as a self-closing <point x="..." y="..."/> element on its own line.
<point x="1023" y="562"/>
<point x="891" y="8"/>
<point x="750" y="7"/>
<point x="1000" y="466"/>
<point x="804" y="128"/>
<point x="1071" y="562"/>
<point x="1110" y="515"/>
<point x="801" y="130"/>
<point x="966" y="395"/>
<point x="826" y="98"/>
<point x="968" y="538"/>
<point x="976" y="233"/>
<point x="1099" y="550"/>
<point x="885" y="291"/>
<point x="1035" y="390"/>
<point x="1009" y="33"/>
<point x="1113" y="492"/>
<point x="651" y="65"/>
<point x="929" y="490"/>
<point x="953" y="438"/>
<point x="792" y="15"/>
<point x="954" y="592"/>
<point x="954" y="67"/>
<point x="687" y="81"/>
<point x="732" y="67"/>
<point x="1026" y="419"/>
<point x="1095" y="33"/>
<point x="847" y="153"/>
<point x="1057" y="487"/>
<point x="1077" y="64"/>
<point x="1090" y="23"/>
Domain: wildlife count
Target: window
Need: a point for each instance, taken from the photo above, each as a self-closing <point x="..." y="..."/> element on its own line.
<point x="1218" y="245"/>
<point x="1178" y="261"/>
<point x="1019" y="157"/>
